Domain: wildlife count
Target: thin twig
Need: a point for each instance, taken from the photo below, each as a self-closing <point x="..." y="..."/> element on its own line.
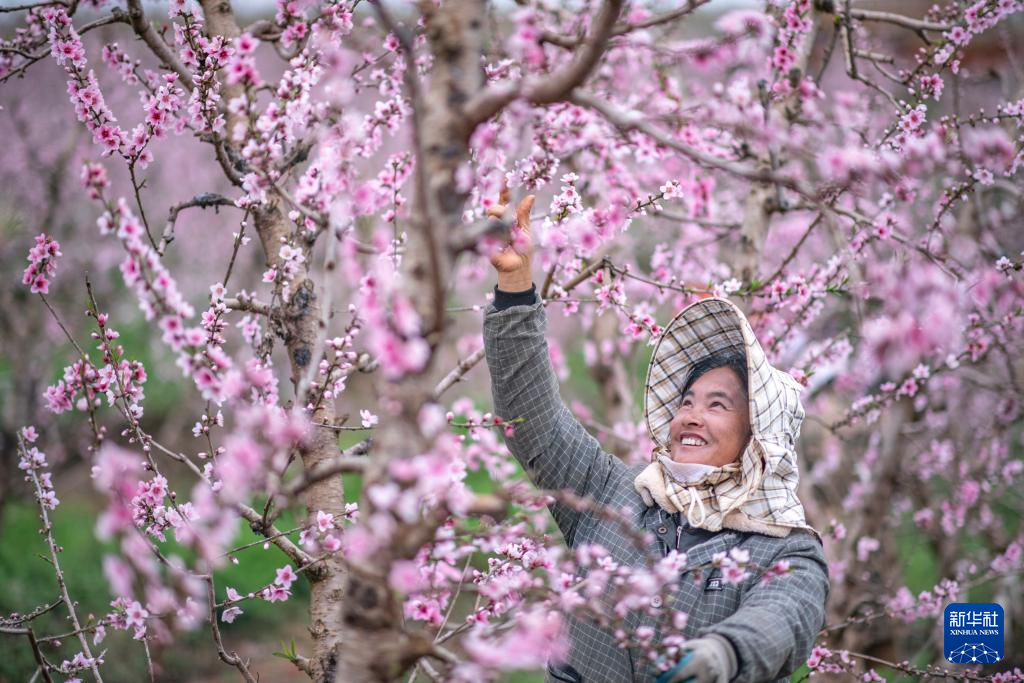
<point x="52" y="545"/>
<point x="202" y="200"/>
<point x="457" y="373"/>
<point x="796" y="249"/>
<point x="231" y="658"/>
<point x="136" y="186"/>
<point x="33" y="5"/>
<point x="118" y="16"/>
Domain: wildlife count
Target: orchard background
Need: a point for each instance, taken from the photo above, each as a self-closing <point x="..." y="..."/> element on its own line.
<point x="243" y="412"/>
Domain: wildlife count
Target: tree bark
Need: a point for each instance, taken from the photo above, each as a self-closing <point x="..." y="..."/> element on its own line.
<point x="762" y="200"/>
<point x="875" y="638"/>
<point x="299" y="325"/>
<point x="375" y="647"/>
<point x="612" y="379"/>
<point x="301" y="320"/>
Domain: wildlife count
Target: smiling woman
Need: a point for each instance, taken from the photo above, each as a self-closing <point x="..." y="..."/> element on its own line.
<point x="722" y="484"/>
<point x="714" y="401"/>
<point x="712" y="425"/>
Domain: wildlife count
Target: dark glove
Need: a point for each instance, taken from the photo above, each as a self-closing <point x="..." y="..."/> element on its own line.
<point x="710" y="659"/>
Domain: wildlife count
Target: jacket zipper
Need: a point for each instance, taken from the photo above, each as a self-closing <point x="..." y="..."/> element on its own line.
<point x="679" y="532"/>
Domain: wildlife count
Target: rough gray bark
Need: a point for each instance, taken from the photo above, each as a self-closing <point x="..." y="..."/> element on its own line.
<point x="763" y="198"/>
<point x="300" y="322"/>
<point x="375" y="646"/>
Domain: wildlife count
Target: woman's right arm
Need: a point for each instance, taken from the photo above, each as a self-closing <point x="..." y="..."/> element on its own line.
<point x="550" y="443"/>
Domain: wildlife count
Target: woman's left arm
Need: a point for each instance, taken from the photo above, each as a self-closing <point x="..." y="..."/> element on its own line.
<point x="774" y="629"/>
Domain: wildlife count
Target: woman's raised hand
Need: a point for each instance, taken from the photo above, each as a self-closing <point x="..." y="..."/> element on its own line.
<point x="513" y="262"/>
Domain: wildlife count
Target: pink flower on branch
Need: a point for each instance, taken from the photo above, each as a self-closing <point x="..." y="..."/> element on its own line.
<point x="42" y="264"/>
<point x="286" y="576"/>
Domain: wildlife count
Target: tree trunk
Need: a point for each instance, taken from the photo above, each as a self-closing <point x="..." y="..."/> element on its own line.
<point x="300" y="327"/>
<point x="374" y="646"/>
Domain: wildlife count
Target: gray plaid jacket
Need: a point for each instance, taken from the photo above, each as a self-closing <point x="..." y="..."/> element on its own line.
<point x="772" y="627"/>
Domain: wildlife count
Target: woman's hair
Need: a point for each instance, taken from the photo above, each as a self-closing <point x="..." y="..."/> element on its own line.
<point x="733" y="361"/>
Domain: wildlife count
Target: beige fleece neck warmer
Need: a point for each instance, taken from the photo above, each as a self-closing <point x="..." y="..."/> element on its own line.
<point x="699" y="500"/>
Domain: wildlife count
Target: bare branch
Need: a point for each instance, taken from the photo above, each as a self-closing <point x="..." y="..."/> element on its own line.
<point x="561" y="83"/>
<point x="555" y="86"/>
<point x="203" y="200"/>
<point x="897" y="19"/>
<point x="144" y="30"/>
<point x="117" y="16"/>
<point x="249" y="304"/>
<point x="624" y="28"/>
<point x="703" y="222"/>
<point x="33" y="5"/>
<point x="20" y="619"/>
<point x="263" y="29"/>
<point x="796" y="249"/>
<point x="323" y="470"/>
<point x="231" y="658"/>
<point x="874" y="56"/>
<point x="349" y="460"/>
<point x="44" y="666"/>
<point x="464" y="366"/>
<point x="295" y="553"/>
<point x="136" y="188"/>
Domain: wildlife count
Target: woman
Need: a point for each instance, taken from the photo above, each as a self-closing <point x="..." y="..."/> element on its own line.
<point x="724" y="477"/>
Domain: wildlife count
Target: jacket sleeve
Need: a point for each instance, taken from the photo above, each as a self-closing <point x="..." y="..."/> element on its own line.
<point x="551" y="445"/>
<point x="774" y="629"/>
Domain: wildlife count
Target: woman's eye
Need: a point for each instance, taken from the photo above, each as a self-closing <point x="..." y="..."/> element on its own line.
<point x="718" y="403"/>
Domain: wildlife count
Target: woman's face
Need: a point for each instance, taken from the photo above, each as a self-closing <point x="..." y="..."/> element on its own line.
<point x="712" y="425"/>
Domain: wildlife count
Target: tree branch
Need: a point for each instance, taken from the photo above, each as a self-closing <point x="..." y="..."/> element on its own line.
<point x="464" y="366"/>
<point x="630" y="121"/>
<point x="898" y="20"/>
<point x="349" y="460"/>
<point x="144" y="30"/>
<point x="203" y="200"/>
<point x="624" y="28"/>
<point x="33" y="5"/>
<point x="249" y="304"/>
<point x="44" y="666"/>
<point x="231" y="658"/>
<point x="553" y="87"/>
<point x="55" y="562"/>
<point x="274" y="535"/>
<point x="117" y="16"/>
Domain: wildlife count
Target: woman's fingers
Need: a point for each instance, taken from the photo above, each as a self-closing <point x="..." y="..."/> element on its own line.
<point x="503" y="194"/>
<point x="501" y="210"/>
<point x="523" y="212"/>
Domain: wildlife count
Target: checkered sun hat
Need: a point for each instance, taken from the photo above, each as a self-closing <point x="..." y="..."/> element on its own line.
<point x="764" y="491"/>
